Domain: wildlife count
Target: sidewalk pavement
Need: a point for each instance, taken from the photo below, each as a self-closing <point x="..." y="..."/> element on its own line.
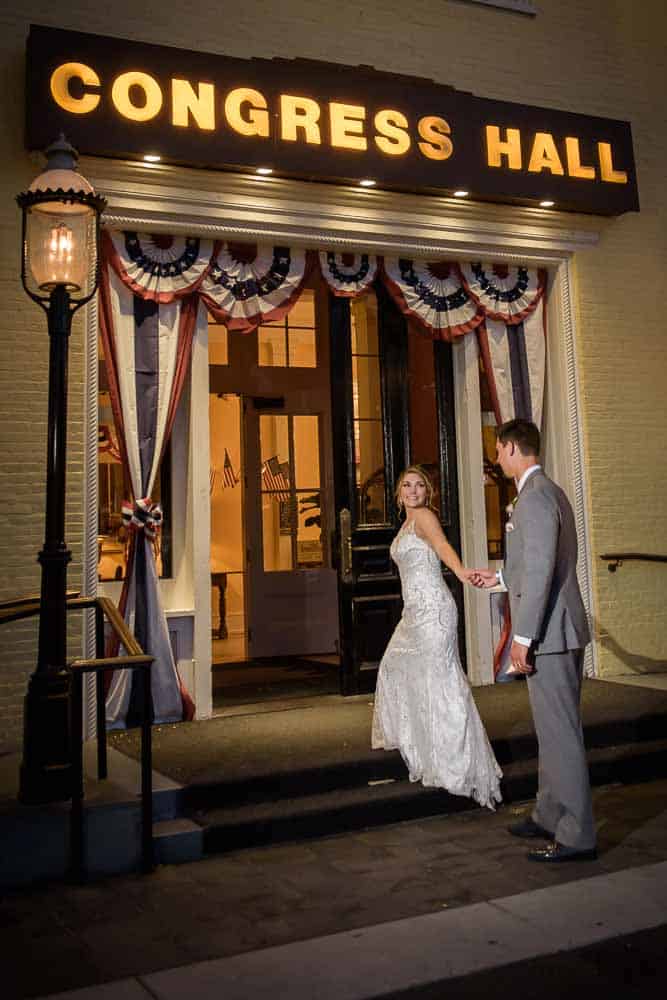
<point x="387" y="912"/>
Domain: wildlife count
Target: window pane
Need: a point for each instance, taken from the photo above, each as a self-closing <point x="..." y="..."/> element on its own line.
<point x="218" y="343"/>
<point x="274" y="444"/>
<point x="272" y="346"/>
<point x="303" y="312"/>
<point x="307" y="452"/>
<point x="370" y="472"/>
<point x="364" y="322"/>
<point x="366" y="388"/>
<point x="309" y="536"/>
<point x="498" y="491"/>
<point x="277" y="519"/>
<point x="302" y="352"/>
<point x="423" y="409"/>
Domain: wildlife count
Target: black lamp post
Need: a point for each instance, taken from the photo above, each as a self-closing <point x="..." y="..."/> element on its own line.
<point x="59" y="271"/>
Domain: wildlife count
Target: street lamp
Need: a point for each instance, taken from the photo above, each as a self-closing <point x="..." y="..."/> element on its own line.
<point x="59" y="271"/>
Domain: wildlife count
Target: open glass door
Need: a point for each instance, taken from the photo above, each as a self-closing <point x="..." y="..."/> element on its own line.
<point x="293" y="601"/>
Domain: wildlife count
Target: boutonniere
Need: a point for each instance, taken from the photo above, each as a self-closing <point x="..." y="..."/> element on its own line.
<point x="509" y="510"/>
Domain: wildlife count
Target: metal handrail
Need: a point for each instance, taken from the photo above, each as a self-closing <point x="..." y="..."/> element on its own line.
<point x="616" y="559"/>
<point x="135" y="659"/>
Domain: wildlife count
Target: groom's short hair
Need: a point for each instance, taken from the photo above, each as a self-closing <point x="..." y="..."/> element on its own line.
<point x="523" y="433"/>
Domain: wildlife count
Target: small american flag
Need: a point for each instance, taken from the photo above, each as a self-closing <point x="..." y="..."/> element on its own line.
<point x="275" y="477"/>
<point x="229" y="477"/>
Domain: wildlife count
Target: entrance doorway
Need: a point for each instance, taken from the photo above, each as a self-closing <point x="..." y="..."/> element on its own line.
<point x="273" y="585"/>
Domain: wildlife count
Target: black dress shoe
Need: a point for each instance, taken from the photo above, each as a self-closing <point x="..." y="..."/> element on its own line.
<point x="529" y="829"/>
<point x="556" y="852"/>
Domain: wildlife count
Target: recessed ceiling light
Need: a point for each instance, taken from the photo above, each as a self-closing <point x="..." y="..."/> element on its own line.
<point x="461" y="193"/>
<point x="152" y="158"/>
<point x="547" y="204"/>
<point x="264" y="171"/>
<point x="367" y="182"/>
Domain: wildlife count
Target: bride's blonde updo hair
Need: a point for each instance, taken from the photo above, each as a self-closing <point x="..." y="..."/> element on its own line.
<point x="420" y="471"/>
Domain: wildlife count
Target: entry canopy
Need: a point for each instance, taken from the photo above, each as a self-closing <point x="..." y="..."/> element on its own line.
<point x="320" y="121"/>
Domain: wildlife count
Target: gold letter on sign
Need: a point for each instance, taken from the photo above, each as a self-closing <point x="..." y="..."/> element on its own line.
<point x="185" y="101"/>
<point x="607" y="172"/>
<point x="346" y="122"/>
<point x="393" y="138"/>
<point x="256" y="120"/>
<point x="544" y="155"/>
<point x="299" y="113"/>
<point x="60" y="79"/>
<point x="575" y="167"/>
<point x="120" y="95"/>
<point x="435" y="132"/>
<point x="510" y="147"/>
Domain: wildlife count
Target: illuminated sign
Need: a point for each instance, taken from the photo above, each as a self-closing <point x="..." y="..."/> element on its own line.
<point x="320" y="121"/>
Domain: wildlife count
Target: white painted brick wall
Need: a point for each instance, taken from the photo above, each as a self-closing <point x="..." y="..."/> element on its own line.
<point x="600" y="57"/>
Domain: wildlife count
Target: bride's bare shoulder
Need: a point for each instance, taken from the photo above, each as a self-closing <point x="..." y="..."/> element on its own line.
<point x="426" y="520"/>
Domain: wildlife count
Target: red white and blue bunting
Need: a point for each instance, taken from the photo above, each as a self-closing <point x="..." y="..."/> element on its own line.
<point x="348" y="274"/>
<point x="507" y="294"/>
<point x="159" y="267"/>
<point x="434" y="294"/>
<point x="248" y="285"/>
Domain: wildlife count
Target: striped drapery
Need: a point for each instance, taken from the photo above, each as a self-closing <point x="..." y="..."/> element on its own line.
<point x="147" y="342"/>
<point x="512" y="336"/>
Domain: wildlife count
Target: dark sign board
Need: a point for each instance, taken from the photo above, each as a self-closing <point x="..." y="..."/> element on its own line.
<point x="320" y="121"/>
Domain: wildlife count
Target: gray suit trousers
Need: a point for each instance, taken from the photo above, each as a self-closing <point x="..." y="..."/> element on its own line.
<point x="564" y="792"/>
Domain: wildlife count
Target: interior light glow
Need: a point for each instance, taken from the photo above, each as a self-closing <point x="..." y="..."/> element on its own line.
<point x="264" y="171"/>
<point x="367" y="182"/>
<point x="547" y="204"/>
<point x="152" y="158"/>
<point x="461" y="193"/>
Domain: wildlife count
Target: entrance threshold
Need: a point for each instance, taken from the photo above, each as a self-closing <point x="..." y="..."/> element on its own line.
<point x="273" y="680"/>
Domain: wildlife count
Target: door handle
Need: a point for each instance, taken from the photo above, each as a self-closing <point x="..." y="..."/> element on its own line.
<point x="345" y="524"/>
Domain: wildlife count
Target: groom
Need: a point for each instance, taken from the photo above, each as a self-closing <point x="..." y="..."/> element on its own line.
<point x="550" y="633"/>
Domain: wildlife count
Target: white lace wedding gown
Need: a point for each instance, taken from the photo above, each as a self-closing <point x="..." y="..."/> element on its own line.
<point x="423" y="702"/>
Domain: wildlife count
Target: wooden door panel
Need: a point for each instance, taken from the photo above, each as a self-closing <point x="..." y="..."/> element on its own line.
<point x="369" y="587"/>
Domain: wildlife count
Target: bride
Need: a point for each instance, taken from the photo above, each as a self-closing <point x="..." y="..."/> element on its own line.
<point x="423" y="702"/>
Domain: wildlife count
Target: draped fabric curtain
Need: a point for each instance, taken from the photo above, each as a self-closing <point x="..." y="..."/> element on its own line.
<point x="151" y="288"/>
<point x="147" y="322"/>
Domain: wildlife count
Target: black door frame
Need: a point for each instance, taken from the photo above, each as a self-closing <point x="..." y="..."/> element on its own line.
<point x="369" y="592"/>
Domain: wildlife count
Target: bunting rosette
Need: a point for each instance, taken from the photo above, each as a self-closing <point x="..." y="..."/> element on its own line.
<point x="157" y="266"/>
<point x="144" y="516"/>
<point x="348" y="274"/>
<point x="507" y="294"/>
<point x="249" y="285"/>
<point x="434" y="295"/>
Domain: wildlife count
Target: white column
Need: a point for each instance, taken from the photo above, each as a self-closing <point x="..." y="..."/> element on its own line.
<point x="198" y="522"/>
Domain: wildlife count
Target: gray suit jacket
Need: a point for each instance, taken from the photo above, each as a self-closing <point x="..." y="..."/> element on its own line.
<point x="540" y="569"/>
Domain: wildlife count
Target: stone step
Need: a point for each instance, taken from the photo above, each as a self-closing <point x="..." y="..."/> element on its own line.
<point x="395" y="799"/>
<point x="177" y="841"/>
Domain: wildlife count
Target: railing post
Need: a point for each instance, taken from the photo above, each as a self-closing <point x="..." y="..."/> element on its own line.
<point x="100" y="706"/>
<point x="77" y="845"/>
<point x="146" y="773"/>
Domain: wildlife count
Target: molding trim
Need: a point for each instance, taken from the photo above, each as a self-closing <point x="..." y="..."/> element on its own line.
<point x="578" y="476"/>
<point x="90" y="501"/>
<point x="250" y="208"/>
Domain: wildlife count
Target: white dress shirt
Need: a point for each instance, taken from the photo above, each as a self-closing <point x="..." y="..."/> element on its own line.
<point x="521" y="639"/>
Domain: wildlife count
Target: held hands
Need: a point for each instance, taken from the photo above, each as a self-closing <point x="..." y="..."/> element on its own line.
<point x="478" y="577"/>
<point x="481" y="577"/>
